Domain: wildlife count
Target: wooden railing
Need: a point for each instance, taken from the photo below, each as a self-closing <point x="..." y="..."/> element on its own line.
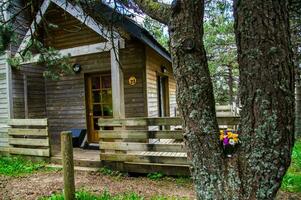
<point x="134" y="142"/>
<point x="29" y="137"/>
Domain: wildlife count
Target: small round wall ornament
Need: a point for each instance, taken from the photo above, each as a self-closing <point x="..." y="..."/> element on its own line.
<point x="132" y="80"/>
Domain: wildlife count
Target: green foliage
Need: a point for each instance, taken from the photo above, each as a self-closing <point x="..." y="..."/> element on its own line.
<point x="84" y="195"/>
<point x="183" y="180"/>
<point x="155" y="176"/>
<point x="109" y="172"/>
<point x="15" y="166"/>
<point x="7" y="35"/>
<point x="57" y="65"/>
<point x="157" y="31"/>
<point x="219" y="41"/>
<point x="292" y="180"/>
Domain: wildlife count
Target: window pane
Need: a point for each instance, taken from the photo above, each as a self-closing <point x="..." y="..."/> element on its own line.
<point x="107" y="96"/>
<point x="95" y="83"/>
<point x="106" y="81"/>
<point x="97" y="110"/>
<point x="107" y="110"/>
<point x="96" y="97"/>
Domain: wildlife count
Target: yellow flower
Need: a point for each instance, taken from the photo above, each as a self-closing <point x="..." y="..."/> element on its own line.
<point x="235" y="139"/>
<point x="221" y="137"/>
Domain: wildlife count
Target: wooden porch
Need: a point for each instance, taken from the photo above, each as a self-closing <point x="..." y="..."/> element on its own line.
<point x="138" y="145"/>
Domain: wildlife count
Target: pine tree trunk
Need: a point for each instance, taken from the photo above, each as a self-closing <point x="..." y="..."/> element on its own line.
<point x="298" y="110"/>
<point x="266" y="90"/>
<point x="267" y="95"/>
<point x="195" y="97"/>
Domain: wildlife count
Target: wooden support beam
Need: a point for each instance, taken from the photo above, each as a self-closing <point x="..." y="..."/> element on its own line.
<point x="78" y="51"/>
<point x="9" y="86"/>
<point x="25" y="91"/>
<point x="117" y="83"/>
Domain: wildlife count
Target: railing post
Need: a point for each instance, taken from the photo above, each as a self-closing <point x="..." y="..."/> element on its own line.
<point x="68" y="166"/>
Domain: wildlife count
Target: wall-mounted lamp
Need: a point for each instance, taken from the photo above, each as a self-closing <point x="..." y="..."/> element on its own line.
<point x="77" y="68"/>
<point x="163" y="69"/>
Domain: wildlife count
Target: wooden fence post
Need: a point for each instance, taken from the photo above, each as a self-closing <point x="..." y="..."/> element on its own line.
<point x="68" y="166"/>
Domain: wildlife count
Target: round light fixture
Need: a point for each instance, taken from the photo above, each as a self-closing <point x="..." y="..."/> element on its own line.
<point x="77" y="68"/>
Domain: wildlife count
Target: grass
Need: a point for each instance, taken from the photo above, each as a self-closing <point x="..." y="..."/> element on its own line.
<point x="292" y="180"/>
<point x="15" y="166"/>
<point x="84" y="195"/>
<point x="109" y="172"/>
<point x="155" y="176"/>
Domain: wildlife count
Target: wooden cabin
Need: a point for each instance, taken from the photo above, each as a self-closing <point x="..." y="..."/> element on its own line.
<point x="134" y="80"/>
<point x="122" y="92"/>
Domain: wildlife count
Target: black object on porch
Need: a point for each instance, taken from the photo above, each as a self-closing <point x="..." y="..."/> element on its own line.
<point x="78" y="136"/>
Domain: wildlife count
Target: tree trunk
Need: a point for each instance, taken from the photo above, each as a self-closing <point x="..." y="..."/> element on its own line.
<point x="298" y="110"/>
<point x="195" y="97"/>
<point x="267" y="95"/>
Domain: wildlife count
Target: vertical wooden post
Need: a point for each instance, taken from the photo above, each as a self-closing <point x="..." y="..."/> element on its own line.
<point x="25" y="96"/>
<point x="68" y="166"/>
<point x="117" y="83"/>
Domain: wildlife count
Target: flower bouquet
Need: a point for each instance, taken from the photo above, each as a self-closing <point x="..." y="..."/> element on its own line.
<point x="229" y="140"/>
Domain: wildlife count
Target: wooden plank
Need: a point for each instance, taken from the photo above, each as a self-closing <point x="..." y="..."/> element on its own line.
<point x="133" y="146"/>
<point x="27" y="122"/>
<point x="29" y="142"/>
<point x="117" y="84"/>
<point x="140" y="134"/>
<point x="30" y="152"/>
<point x="78" y="51"/>
<point x="142" y="121"/>
<point x="166" y="121"/>
<point x="234" y="120"/>
<point x="28" y="132"/>
<point x="143" y="159"/>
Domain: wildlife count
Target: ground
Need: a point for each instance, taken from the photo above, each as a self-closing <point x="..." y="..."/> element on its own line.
<point x="46" y="183"/>
<point x="39" y="184"/>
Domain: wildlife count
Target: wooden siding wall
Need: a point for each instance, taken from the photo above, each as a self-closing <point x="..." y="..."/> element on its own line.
<point x="4" y="111"/>
<point x="36" y="100"/>
<point x="66" y="98"/>
<point x="69" y="33"/>
<point x="153" y="65"/>
<point x="133" y="64"/>
<point x="66" y="106"/>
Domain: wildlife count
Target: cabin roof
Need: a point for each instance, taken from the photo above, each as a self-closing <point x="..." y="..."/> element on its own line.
<point x="133" y="28"/>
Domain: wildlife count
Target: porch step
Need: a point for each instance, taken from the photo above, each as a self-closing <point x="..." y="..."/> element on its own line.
<point x="79" y="162"/>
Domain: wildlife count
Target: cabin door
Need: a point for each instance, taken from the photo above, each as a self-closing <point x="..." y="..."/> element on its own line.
<point x="99" y="103"/>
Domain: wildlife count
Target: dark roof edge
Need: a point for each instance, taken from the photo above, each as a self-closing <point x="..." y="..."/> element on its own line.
<point x="134" y="29"/>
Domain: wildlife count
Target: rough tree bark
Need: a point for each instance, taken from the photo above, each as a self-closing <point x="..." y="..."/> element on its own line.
<point x="267" y="95"/>
<point x="267" y="85"/>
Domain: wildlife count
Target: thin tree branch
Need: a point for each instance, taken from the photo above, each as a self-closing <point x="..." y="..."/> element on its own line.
<point x="156" y="10"/>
